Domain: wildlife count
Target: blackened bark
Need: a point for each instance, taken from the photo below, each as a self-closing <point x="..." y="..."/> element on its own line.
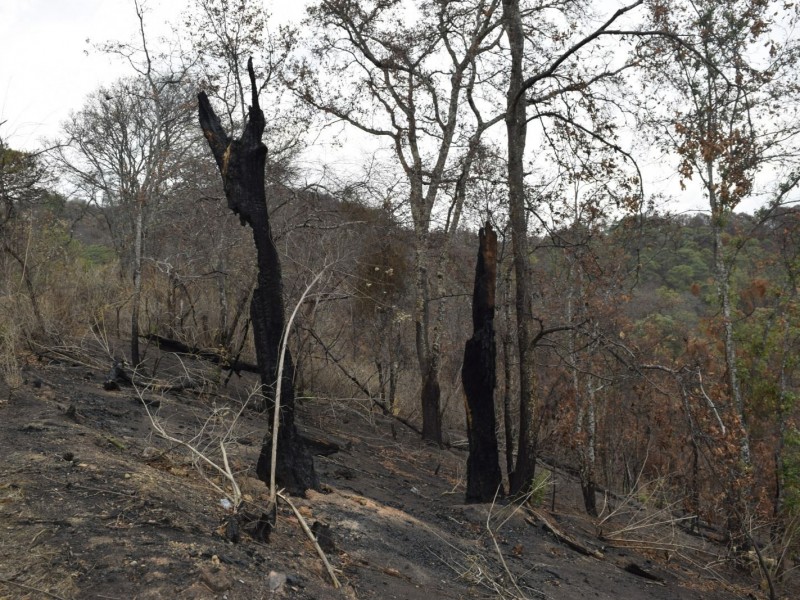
<point x="431" y="415"/>
<point x="241" y="163"/>
<point x="479" y="377"/>
<point x="589" y="492"/>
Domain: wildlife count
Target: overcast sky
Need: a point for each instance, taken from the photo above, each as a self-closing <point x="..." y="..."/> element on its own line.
<point x="47" y="67"/>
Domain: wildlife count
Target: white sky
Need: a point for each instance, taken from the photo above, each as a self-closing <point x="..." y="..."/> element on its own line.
<point x="47" y="67"/>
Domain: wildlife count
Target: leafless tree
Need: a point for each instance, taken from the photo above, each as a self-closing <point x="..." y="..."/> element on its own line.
<point x="125" y="150"/>
<point x="23" y="176"/>
<point x="552" y="82"/>
<point x="410" y="85"/>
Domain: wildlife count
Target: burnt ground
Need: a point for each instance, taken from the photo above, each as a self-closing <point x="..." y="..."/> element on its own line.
<point x="94" y="504"/>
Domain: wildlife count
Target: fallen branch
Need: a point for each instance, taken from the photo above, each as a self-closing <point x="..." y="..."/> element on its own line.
<point x="319" y="446"/>
<point x="186" y="383"/>
<point x="655" y="545"/>
<point x="74" y="356"/>
<point x="635" y="569"/>
<point x="564" y="537"/>
<point x="212" y="356"/>
<point x="235" y="496"/>
<point x="313" y="539"/>
<point x="22" y="586"/>
<point x="364" y="390"/>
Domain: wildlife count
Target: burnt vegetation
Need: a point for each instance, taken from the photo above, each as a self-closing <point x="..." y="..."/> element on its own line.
<point x="494" y="341"/>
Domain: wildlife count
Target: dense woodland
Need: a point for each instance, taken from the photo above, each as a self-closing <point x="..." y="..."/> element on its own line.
<point x="652" y="352"/>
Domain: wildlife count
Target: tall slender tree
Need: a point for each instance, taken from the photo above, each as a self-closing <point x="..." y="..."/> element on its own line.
<point x="724" y="78"/>
<point x="553" y="87"/>
<point x="392" y="85"/>
<point x="126" y="148"/>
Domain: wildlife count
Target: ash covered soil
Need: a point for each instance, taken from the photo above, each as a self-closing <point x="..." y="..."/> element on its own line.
<point x="95" y="504"/>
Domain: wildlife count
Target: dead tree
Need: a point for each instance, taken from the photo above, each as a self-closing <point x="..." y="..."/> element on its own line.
<point x="479" y="378"/>
<point x="241" y="163"/>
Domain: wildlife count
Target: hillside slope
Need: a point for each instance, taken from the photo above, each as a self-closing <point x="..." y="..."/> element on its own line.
<point x="93" y="504"/>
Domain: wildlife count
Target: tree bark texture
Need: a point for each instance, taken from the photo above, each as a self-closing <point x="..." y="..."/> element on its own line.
<point x="588" y="459"/>
<point x="516" y="127"/>
<point x="722" y="275"/>
<point x="138" y="245"/>
<point x="241" y="163"/>
<point x="427" y="353"/>
<point x="479" y="377"/>
<point x="507" y="344"/>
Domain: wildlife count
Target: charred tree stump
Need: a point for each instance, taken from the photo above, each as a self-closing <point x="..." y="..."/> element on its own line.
<point x="479" y="378"/>
<point x="241" y="163"/>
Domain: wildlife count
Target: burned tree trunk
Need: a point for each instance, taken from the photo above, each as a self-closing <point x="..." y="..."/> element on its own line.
<point x="241" y="163"/>
<point x="478" y="375"/>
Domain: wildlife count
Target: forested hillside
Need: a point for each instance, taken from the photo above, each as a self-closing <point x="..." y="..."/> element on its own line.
<point x="646" y="353"/>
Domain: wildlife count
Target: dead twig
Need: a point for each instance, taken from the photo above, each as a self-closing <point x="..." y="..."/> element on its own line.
<point x="674" y="547"/>
<point x="497" y="546"/>
<point x="564" y="537"/>
<point x="313" y="539"/>
<point x="29" y="588"/>
<point x="235" y="495"/>
<point x="363" y="388"/>
<point x="36" y="537"/>
<point x="279" y="382"/>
